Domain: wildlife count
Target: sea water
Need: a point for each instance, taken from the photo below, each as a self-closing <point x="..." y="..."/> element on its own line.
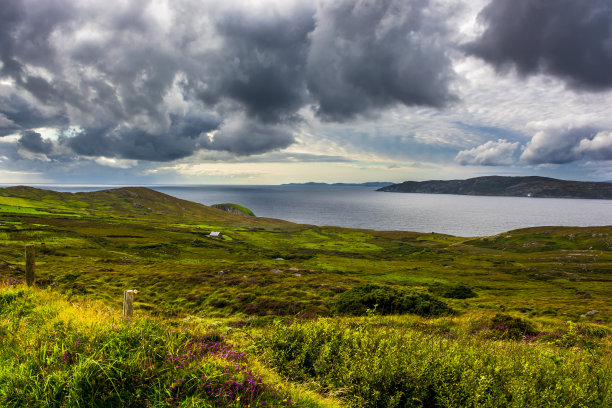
<point x="363" y="207"/>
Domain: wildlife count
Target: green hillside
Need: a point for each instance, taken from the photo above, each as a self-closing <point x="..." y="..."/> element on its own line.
<point x="133" y="202"/>
<point x="348" y="317"/>
<point x="234" y="209"/>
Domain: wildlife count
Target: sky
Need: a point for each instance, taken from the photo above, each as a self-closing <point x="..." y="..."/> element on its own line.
<point x="267" y="92"/>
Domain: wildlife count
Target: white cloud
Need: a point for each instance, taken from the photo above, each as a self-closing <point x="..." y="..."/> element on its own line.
<point x="568" y="144"/>
<point x="116" y="163"/>
<point x="597" y="148"/>
<point x="499" y="153"/>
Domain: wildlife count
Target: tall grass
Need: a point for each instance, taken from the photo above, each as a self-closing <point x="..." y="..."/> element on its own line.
<point x="56" y="354"/>
<point x="373" y="364"/>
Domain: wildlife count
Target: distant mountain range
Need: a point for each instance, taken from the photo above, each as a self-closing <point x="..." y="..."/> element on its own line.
<point x="372" y="184"/>
<point x="532" y="186"/>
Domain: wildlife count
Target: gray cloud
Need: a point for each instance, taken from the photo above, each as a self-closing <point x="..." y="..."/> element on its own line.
<point x="12" y="15"/>
<point x="370" y="55"/>
<point x="19" y="114"/>
<point x="568" y="144"/>
<point x="186" y="134"/>
<point x="243" y="136"/>
<point x="569" y="39"/>
<point x="33" y="142"/>
<point x="26" y="42"/>
<point x="499" y="153"/>
<point x="133" y="81"/>
<point x="260" y="65"/>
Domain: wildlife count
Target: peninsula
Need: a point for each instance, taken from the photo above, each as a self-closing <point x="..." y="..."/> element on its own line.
<point x="531" y="186"/>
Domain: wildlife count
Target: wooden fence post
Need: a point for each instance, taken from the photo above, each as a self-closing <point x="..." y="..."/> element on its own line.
<point x="128" y="304"/>
<point x="29" y="260"/>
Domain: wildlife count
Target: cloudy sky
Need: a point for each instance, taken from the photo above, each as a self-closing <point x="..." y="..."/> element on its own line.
<point x="269" y="92"/>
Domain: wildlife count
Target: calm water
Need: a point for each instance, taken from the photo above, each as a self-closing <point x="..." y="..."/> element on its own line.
<point x="360" y="207"/>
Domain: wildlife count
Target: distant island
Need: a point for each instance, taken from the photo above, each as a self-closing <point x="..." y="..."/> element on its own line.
<point x="372" y="184"/>
<point x="532" y="186"/>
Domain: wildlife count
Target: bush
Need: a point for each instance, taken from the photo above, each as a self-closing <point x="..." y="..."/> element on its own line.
<point x="387" y="300"/>
<point x="459" y="291"/>
<point x="508" y="327"/>
<point x="369" y="364"/>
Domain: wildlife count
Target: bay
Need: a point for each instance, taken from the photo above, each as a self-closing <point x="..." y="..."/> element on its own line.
<point x="363" y="207"/>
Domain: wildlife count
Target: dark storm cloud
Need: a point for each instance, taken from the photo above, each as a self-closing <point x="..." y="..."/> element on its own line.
<point x="33" y="44"/>
<point x="108" y="85"/>
<point x="11" y="16"/>
<point x="33" y="142"/>
<point x="367" y="55"/>
<point x="243" y="137"/>
<point x="185" y="136"/>
<point x="126" y="80"/>
<point x="21" y="115"/>
<point x="570" y="39"/>
<point x="346" y="58"/>
<point x="261" y="63"/>
<point x="25" y="37"/>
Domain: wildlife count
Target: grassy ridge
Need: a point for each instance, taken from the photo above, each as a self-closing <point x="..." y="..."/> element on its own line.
<point x="518" y="295"/>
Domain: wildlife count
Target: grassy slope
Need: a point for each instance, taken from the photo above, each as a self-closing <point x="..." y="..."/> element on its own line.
<point x="92" y="246"/>
<point x="55" y="353"/>
<point x="158" y="244"/>
<point x="234" y="209"/>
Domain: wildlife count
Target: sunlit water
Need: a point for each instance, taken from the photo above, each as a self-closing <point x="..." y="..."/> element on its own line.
<point x="360" y="207"/>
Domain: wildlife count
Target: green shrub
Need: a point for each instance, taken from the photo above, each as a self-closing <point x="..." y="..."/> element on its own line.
<point x="370" y="364"/>
<point x="459" y="291"/>
<point x="508" y="327"/>
<point x="387" y="300"/>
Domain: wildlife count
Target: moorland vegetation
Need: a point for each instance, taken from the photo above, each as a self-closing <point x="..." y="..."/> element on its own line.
<point x="281" y="314"/>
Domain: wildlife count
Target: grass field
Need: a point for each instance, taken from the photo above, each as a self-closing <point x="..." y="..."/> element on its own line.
<point x="513" y="308"/>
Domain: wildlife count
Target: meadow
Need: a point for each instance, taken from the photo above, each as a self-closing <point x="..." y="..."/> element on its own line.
<point x="281" y="314"/>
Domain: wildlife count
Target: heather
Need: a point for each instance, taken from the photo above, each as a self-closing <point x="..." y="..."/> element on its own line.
<point x="57" y="354"/>
<point x="377" y="363"/>
<point x="281" y="314"/>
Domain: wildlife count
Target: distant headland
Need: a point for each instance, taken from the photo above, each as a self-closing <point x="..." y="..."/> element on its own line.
<point x="373" y="184"/>
<point x="532" y="186"/>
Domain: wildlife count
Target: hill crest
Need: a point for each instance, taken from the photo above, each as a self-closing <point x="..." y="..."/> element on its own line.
<point x="128" y="202"/>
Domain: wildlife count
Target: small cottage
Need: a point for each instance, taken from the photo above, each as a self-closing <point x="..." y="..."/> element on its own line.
<point x="216" y="234"/>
